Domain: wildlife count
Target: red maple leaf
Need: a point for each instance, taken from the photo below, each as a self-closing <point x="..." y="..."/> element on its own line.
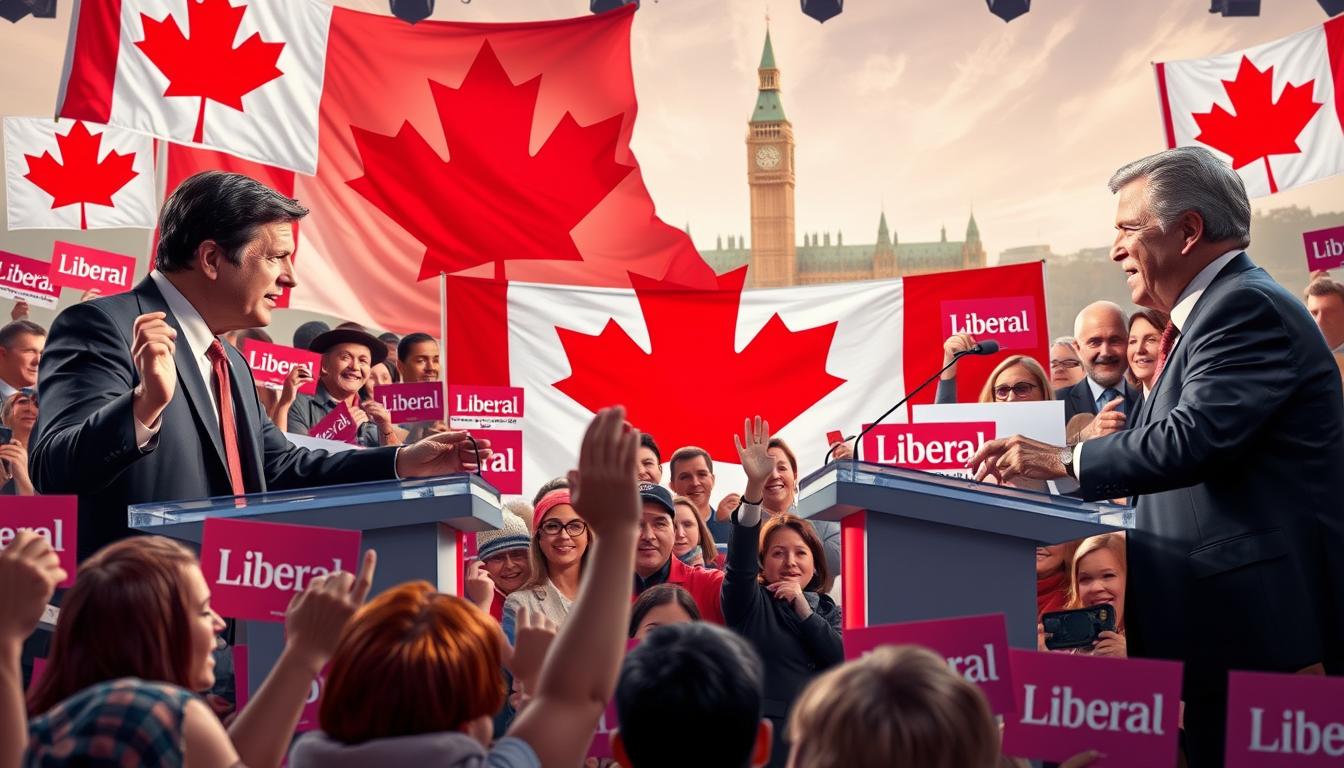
<point x="206" y="64"/>
<point x="79" y="177"/>
<point x="778" y="374"/>
<point x="1261" y="127"/>
<point x="491" y="200"/>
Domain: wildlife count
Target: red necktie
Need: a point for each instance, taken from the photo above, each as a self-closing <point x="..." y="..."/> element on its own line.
<point x="228" y="428"/>
<point x="1169" y="335"/>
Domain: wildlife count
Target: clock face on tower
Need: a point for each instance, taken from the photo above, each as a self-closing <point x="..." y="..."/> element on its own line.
<point x="767" y="158"/>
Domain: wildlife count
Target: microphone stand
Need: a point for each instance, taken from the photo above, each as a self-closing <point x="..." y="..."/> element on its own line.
<point x="859" y="437"/>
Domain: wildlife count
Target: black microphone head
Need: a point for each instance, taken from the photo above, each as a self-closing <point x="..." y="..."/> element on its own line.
<point x="986" y="347"/>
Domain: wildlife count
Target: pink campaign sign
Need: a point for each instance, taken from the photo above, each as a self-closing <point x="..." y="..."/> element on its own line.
<point x="255" y="569"/>
<point x="942" y="448"/>
<point x="504" y="469"/>
<point x="1277" y="721"/>
<point x="481" y="407"/>
<point x="976" y="647"/>
<point x="55" y="518"/>
<point x="1325" y="248"/>
<point x="1009" y="320"/>
<point x="337" y="425"/>
<point x="81" y="268"/>
<point x="25" y="279"/>
<point x="271" y="363"/>
<point x="308" y="717"/>
<point x="420" y="401"/>
<point x="1126" y="709"/>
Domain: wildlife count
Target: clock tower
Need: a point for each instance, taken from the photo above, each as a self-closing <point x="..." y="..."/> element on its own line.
<point x="774" y="257"/>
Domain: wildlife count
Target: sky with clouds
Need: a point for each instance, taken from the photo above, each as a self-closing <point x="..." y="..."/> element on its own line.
<point x="926" y="107"/>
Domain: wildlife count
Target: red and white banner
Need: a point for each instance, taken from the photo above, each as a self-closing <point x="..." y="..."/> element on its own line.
<point x="81" y="268"/>
<point x="54" y="518"/>
<point x="254" y="569"/>
<point x="1284" y="721"/>
<point x="25" y="279"/>
<point x="66" y="174"/>
<point x="271" y="364"/>
<point x="976" y="647"/>
<point x="689" y="364"/>
<point x="1275" y="111"/>
<point x="242" y="76"/>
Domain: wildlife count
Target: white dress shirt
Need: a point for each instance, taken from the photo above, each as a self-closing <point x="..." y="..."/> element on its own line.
<point x="198" y="338"/>
<point x="1180" y="314"/>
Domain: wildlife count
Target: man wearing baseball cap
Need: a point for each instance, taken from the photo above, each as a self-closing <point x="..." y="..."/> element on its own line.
<point x="654" y="563"/>
<point x="348" y="357"/>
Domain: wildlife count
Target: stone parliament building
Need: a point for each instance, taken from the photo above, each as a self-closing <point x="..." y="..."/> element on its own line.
<point x="775" y="257"/>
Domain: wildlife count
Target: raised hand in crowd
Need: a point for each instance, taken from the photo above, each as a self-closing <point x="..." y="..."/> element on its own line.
<point x="841" y="450"/>
<point x="90" y="294"/>
<point x="480" y="588"/>
<point x="153" y="343"/>
<point x="15" y="466"/>
<point x="534" y="635"/>
<point x="952" y="346"/>
<point x="570" y="697"/>
<point x="726" y="506"/>
<point x="752" y="452"/>
<point x="298" y="376"/>
<point x="29" y="573"/>
<point x="313" y="624"/>
<point x="442" y="454"/>
<point x="1108" y="421"/>
<point x="20" y="310"/>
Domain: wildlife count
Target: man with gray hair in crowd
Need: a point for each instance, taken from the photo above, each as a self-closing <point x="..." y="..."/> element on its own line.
<point x="1101" y="341"/>
<point x="1236" y="560"/>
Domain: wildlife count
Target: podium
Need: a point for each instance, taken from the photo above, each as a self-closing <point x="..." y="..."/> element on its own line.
<point x="918" y="546"/>
<point x="413" y="524"/>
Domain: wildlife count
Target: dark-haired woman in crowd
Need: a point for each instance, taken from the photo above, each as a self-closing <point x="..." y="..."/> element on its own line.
<point x="19" y="414"/>
<point x="771" y="594"/>
<point x="660" y="605"/>
<point x="140" y="608"/>
<point x="1145" y="341"/>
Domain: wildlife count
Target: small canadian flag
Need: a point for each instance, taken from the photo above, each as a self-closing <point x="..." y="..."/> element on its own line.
<point x="239" y="76"/>
<point x="69" y="174"/>
<point x="1275" y="111"/>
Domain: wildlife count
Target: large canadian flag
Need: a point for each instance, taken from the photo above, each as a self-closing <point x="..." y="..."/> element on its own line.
<point x="242" y="76"/>
<point x="690" y="364"/>
<point x="67" y="174"/>
<point x="1275" y="111"/>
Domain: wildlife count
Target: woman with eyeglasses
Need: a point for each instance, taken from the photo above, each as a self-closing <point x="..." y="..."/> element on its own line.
<point x="1016" y="378"/>
<point x="560" y="546"/>
<point x="18" y="414"/>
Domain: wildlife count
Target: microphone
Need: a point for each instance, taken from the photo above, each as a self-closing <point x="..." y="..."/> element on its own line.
<point x="986" y="347"/>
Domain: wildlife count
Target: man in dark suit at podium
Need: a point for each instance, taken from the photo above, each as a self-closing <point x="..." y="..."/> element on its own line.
<point x="1236" y="561"/>
<point x="141" y="401"/>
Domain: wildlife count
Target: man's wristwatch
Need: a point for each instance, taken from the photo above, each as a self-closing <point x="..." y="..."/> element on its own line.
<point x="1066" y="458"/>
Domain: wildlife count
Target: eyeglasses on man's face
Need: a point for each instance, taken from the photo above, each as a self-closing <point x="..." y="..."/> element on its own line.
<point x="553" y="527"/>
<point x="1021" y="389"/>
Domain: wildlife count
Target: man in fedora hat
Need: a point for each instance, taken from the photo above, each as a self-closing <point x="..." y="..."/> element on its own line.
<point x="348" y="356"/>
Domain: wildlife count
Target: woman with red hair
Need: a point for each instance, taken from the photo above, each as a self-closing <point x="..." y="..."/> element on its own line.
<point x="140" y="608"/>
<point x="415" y="676"/>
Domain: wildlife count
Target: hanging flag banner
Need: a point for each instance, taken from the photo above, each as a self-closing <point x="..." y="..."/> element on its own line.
<point x="67" y="174"/>
<point x="1275" y="112"/>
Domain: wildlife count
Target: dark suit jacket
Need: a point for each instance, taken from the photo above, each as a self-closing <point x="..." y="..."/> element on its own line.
<point x="1078" y="399"/>
<point x="84" y="442"/>
<point x="1237" y="558"/>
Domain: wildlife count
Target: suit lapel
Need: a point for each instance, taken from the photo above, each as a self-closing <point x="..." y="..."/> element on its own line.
<point x="197" y="391"/>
